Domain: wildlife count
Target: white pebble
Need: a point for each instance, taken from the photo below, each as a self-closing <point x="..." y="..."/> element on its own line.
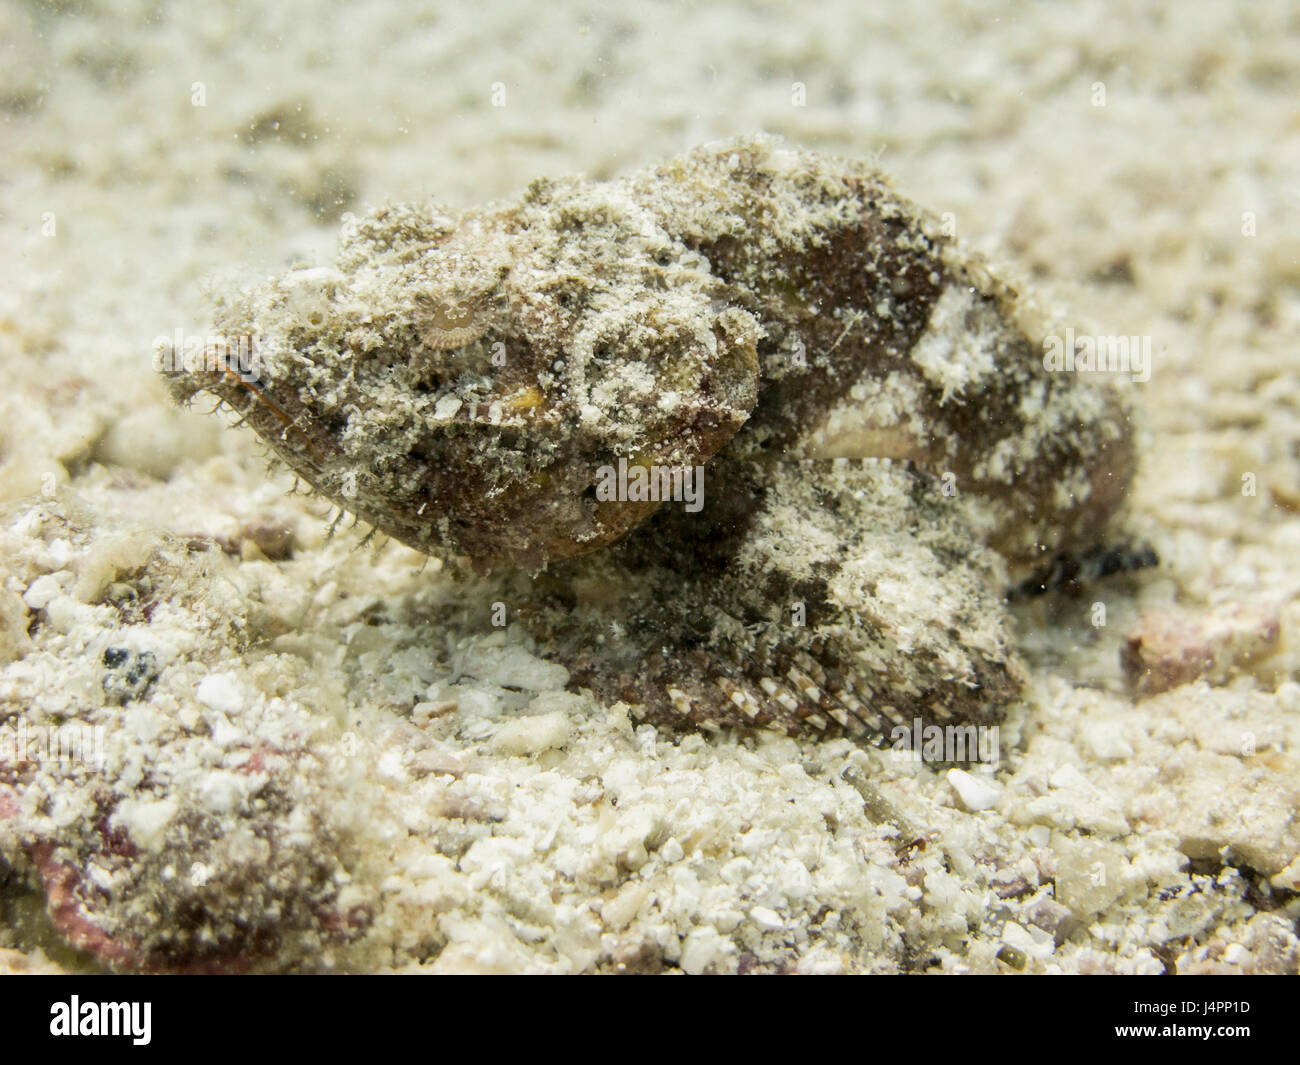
<point x="446" y="407"/>
<point x="532" y="734"/>
<point x="222" y="791"/>
<point x="146" y="820"/>
<point x="1236" y="954"/>
<point x="703" y="950"/>
<point x="220" y="692"/>
<point x="41" y="591"/>
<point x="975" y="793"/>
<point x="224" y="734"/>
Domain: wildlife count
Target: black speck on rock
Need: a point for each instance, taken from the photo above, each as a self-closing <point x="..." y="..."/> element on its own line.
<point x="128" y="674"/>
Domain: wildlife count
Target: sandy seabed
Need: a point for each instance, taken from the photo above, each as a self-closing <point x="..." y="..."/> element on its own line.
<point x="315" y="757"/>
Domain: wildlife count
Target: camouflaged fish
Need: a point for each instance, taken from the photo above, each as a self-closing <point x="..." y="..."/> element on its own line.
<point x="744" y="439"/>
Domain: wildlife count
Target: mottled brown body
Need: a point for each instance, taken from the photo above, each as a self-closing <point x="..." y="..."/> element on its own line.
<point x="771" y="316"/>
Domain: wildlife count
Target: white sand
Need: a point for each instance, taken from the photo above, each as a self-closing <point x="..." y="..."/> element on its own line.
<point x="491" y="821"/>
